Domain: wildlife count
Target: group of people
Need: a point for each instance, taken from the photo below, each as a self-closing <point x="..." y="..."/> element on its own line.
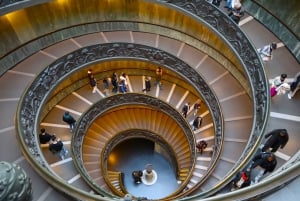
<point x="279" y="86"/>
<point x="197" y="122"/>
<point x="234" y="7"/>
<point x="120" y="84"/>
<point x="56" y="146"/>
<point x="263" y="162"/>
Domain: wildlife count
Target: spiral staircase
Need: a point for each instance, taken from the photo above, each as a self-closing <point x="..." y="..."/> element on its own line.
<point x="203" y="58"/>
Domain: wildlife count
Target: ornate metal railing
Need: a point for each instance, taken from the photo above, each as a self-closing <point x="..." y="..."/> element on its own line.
<point x="119" y="100"/>
<point x="115" y="101"/>
<point x="40" y="90"/>
<point x="7" y="6"/>
<point x="275" y="181"/>
<point x="200" y="10"/>
<point x="282" y="28"/>
<point x="214" y="18"/>
<point x="145" y="134"/>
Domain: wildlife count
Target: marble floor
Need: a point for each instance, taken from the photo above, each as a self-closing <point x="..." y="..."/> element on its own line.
<point x="135" y="154"/>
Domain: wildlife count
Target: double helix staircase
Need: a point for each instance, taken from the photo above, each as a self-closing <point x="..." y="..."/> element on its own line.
<point x="233" y="95"/>
<point x="235" y="121"/>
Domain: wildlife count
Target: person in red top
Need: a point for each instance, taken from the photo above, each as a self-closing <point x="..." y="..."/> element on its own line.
<point x="242" y="179"/>
<point x="201" y="145"/>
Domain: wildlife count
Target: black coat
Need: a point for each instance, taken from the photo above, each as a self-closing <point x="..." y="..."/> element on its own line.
<point x="262" y="161"/>
<point x="276" y="140"/>
<point x="56" y="147"/>
<point x="93" y="82"/>
<point x="197" y="122"/>
<point x="185" y="109"/>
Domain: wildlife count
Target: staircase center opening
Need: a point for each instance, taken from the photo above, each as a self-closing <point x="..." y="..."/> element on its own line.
<point x="137" y="154"/>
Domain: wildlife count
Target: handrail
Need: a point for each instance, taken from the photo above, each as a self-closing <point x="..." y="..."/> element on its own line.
<point x="276" y="17"/>
<point x="35" y="96"/>
<point x="216" y="21"/>
<point x="7" y="6"/>
<point x="119" y="179"/>
<point x="276" y="180"/>
<point x="281" y="29"/>
<point x="132" y="133"/>
<point x="115" y="101"/>
<point x="245" y="51"/>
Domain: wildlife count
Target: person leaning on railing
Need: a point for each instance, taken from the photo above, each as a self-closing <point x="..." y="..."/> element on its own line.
<point x="263" y="163"/>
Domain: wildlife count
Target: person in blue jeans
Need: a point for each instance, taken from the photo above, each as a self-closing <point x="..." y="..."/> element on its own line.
<point x="122" y="87"/>
<point x="57" y="147"/>
<point x="228" y="4"/>
<point x="69" y="120"/>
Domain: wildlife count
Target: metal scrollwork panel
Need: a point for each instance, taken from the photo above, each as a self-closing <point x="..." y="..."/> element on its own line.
<point x="221" y="23"/>
<point x="41" y="88"/>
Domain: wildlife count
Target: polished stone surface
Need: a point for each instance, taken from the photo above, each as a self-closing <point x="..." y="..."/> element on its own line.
<point x="135" y="154"/>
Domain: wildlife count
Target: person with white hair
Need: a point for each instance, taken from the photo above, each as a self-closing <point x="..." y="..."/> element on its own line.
<point x="237" y="12"/>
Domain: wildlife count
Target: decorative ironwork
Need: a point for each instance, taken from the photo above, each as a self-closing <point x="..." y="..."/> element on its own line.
<point x="14" y="183"/>
<point x="207" y="13"/>
<point x="41" y="88"/>
<point x="115" y="101"/>
<point x="137" y="133"/>
<point x="35" y="96"/>
<point x="215" y="18"/>
<point x="9" y="2"/>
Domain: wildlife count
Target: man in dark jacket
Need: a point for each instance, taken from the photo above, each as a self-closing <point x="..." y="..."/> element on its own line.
<point x="45" y="137"/>
<point x="197" y="123"/>
<point x="69" y="120"/>
<point x="57" y="147"/>
<point x="185" y="109"/>
<point x="278" y="138"/>
<point x="114" y="82"/>
<point x="266" y="162"/>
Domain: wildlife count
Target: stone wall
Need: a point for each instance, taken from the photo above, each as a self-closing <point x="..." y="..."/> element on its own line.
<point x="281" y="17"/>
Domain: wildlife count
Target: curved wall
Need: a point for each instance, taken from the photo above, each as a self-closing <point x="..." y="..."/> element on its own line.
<point x="57" y="21"/>
<point x="204" y="34"/>
<point x="281" y="18"/>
